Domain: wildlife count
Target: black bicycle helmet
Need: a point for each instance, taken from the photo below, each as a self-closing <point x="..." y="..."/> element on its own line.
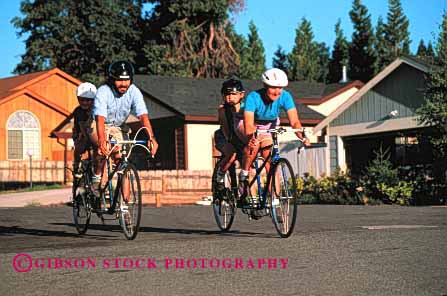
<point x="232" y="85"/>
<point x="121" y="70"/>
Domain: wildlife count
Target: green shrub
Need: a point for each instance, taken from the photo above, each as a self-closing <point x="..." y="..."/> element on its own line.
<point x="378" y="175"/>
<point x="338" y="188"/>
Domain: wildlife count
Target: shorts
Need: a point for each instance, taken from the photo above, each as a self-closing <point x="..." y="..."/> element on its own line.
<point x="220" y="141"/>
<point x="117" y="133"/>
<point x="265" y="139"/>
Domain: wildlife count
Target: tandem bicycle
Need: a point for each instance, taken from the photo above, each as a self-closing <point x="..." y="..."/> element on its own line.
<point x="119" y="196"/>
<point x="271" y="194"/>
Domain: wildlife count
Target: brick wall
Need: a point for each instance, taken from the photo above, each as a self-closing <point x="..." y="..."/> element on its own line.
<point x="158" y="187"/>
<point x="174" y="187"/>
<point x="42" y="171"/>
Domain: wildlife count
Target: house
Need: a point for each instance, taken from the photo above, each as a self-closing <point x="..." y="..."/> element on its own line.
<point x="33" y="105"/>
<point x="380" y="114"/>
<point x="37" y="115"/>
<point x="183" y="112"/>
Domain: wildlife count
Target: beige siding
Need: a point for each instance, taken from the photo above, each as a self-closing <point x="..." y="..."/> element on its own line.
<point x="327" y="107"/>
<point x="200" y="146"/>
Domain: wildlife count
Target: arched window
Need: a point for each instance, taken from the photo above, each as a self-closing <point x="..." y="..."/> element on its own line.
<point x="23" y="135"/>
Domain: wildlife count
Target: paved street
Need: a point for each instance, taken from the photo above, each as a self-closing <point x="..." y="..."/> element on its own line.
<point x="335" y="250"/>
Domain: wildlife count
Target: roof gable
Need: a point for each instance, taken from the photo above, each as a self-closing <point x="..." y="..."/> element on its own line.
<point x="12" y="87"/>
<point x="370" y="85"/>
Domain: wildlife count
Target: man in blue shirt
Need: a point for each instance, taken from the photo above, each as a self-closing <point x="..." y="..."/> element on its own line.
<point x="114" y="102"/>
<point x="262" y="109"/>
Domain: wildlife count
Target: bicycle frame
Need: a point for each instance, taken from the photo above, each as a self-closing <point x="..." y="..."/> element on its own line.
<point x="273" y="157"/>
<point x="119" y="167"/>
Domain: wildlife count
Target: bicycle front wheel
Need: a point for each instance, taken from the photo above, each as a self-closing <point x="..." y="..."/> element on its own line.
<point x="130" y="202"/>
<point x="283" y="197"/>
<point x="81" y="208"/>
<point x="223" y="200"/>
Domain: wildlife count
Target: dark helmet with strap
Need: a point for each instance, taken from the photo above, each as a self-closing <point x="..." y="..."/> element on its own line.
<point x="232" y="86"/>
<point x="121" y="70"/>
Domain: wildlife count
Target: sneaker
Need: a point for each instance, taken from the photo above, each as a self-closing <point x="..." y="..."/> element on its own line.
<point x="96" y="180"/>
<point x="243" y="193"/>
<point x="243" y="185"/>
<point x="220" y="180"/>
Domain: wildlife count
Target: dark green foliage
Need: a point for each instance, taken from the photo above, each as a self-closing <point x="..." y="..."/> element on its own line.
<point x="422" y="50"/>
<point x="380" y="46"/>
<point x="362" y="56"/>
<point x="323" y="61"/>
<point x="339" y="57"/>
<point x="253" y="56"/>
<point x="426" y="53"/>
<point x="280" y="60"/>
<point x="338" y="188"/>
<point x="434" y="110"/>
<point x="189" y="39"/>
<point x="304" y="58"/>
<point x="379" y="172"/>
<point x="181" y="38"/>
<point x="79" y="37"/>
<point x="430" y="53"/>
<point x="392" y="37"/>
<point x="396" y="31"/>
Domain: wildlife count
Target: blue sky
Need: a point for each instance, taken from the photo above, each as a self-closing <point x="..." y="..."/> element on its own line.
<point x="276" y="21"/>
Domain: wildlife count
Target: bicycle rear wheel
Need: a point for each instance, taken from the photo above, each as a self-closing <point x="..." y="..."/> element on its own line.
<point x="283" y="197"/>
<point x="81" y="208"/>
<point x="223" y="200"/>
<point x="130" y="202"/>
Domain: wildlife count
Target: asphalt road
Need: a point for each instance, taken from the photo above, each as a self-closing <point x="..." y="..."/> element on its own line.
<point x="335" y="250"/>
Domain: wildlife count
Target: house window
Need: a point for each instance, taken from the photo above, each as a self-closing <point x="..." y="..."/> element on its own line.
<point x="23" y="135"/>
<point x="408" y="150"/>
<point x="333" y="151"/>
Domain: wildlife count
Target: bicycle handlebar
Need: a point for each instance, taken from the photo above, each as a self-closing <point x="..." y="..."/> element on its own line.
<point x="134" y="142"/>
<point x="281" y="130"/>
<point x="115" y="142"/>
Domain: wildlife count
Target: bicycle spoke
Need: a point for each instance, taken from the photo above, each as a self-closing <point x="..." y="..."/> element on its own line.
<point x="130" y="202"/>
<point x="283" y="198"/>
<point x="223" y="201"/>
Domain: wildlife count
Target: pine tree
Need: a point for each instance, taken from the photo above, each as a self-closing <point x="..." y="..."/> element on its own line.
<point x="189" y="38"/>
<point x="396" y="32"/>
<point x="340" y="56"/>
<point x="304" y="56"/>
<point x="362" y="56"/>
<point x="80" y="37"/>
<point x="253" y="56"/>
<point x="434" y="111"/>
<point x="430" y="53"/>
<point x="422" y="50"/>
<point x="323" y="61"/>
<point x="426" y="53"/>
<point x="380" y="45"/>
<point x="280" y="60"/>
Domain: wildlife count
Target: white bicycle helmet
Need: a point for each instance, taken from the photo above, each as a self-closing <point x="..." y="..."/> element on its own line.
<point x="275" y="77"/>
<point x="86" y="90"/>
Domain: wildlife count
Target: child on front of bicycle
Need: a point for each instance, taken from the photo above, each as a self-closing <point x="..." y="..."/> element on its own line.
<point x="83" y="119"/>
<point x="230" y="115"/>
<point x="262" y="109"/>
